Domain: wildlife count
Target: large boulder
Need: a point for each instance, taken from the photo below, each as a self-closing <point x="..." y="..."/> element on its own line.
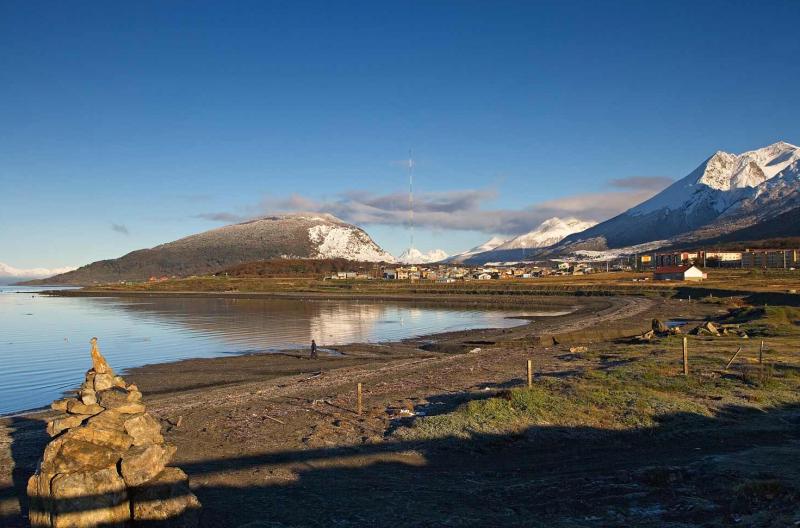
<point x="143" y="463"/>
<point x="658" y="326"/>
<point x="144" y="429"/>
<point x="75" y="455"/>
<point x="90" y="498"/>
<point x="78" y="407"/>
<point x="106" y="449"/>
<point x="63" y="422"/>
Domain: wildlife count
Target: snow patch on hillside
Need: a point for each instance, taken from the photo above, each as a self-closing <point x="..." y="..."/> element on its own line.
<point x="342" y="241"/>
<point x="611" y="254"/>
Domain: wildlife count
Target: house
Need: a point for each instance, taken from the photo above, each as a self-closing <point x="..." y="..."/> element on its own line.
<point x="682" y="273"/>
<point x="390" y="274"/>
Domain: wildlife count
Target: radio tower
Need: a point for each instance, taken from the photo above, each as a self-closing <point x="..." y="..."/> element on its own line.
<point x="411" y="197"/>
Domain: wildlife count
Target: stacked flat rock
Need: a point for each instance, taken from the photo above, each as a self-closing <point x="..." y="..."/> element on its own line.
<point x="107" y="462"/>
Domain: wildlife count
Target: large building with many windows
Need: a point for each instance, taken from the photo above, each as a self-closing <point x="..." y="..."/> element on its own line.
<point x="771" y="258"/>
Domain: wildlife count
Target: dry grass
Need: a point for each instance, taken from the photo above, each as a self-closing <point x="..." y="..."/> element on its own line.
<point x="644" y="384"/>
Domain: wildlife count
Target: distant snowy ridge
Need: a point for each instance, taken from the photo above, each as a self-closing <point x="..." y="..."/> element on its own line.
<point x="31" y="273"/>
<point x="414" y="256"/>
<point x="549" y="233"/>
<point x="486" y="246"/>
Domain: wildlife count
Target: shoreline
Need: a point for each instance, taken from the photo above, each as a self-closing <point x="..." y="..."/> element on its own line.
<point x="268" y="423"/>
<point x="439" y="297"/>
<point x="438" y="342"/>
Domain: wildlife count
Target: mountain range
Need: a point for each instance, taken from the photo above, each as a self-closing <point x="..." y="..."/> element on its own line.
<point x="725" y="194"/>
<point x="316" y="236"/>
<point x="414" y="256"/>
<point x="728" y="198"/>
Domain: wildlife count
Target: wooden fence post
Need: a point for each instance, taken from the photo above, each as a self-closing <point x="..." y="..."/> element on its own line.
<point x="761" y="353"/>
<point x="685" y="356"/>
<point x="358" y="393"/>
<point x="530" y="373"/>
<point x="733" y="357"/>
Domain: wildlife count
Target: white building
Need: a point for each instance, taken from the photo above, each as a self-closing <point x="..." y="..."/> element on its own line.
<point x="683" y="273"/>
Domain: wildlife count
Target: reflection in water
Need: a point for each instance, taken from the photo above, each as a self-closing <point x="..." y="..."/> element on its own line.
<point x="44" y="340"/>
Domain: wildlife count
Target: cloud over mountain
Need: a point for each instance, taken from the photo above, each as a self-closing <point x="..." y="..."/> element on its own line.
<point x="463" y="209"/>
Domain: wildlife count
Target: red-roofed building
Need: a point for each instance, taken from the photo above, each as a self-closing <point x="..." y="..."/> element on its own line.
<point x="681" y="273"/>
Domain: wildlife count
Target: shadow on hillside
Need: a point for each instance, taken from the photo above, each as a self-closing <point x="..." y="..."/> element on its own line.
<point x="687" y="468"/>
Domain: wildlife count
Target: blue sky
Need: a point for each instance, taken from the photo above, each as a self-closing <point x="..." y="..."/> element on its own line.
<point x="125" y="125"/>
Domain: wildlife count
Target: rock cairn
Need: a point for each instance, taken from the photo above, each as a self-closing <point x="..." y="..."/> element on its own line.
<point x="107" y="462"/>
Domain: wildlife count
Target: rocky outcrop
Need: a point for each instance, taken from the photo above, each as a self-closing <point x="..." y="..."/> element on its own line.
<point x="706" y="329"/>
<point x="107" y="464"/>
<point x="658" y="326"/>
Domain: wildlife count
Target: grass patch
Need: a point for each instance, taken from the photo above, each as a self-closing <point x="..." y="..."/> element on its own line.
<point x="636" y="387"/>
<point x="600" y="400"/>
<point x="773" y="315"/>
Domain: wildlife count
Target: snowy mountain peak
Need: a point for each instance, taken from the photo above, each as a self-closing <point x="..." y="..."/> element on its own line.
<point x="725" y="171"/>
<point x="549" y="233"/>
<point x="727" y="192"/>
<point x="414" y="256"/>
<point x="723" y="180"/>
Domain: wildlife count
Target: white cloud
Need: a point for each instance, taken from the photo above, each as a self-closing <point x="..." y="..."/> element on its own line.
<point x="464" y="209"/>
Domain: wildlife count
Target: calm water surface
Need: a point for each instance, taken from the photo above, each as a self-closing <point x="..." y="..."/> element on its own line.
<point x="44" y="341"/>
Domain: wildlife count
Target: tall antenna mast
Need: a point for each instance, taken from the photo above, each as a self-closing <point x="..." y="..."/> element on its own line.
<point x="411" y="196"/>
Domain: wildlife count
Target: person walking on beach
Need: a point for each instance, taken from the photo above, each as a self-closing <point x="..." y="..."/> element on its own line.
<point x="313" y="349"/>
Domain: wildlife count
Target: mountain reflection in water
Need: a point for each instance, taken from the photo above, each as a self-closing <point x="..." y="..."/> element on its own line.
<point x="44" y="340"/>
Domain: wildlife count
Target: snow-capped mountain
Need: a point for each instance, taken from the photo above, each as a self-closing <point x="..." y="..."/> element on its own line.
<point x="726" y="193"/>
<point x="550" y="232"/>
<point x="522" y="247"/>
<point x="414" y="256"/>
<point x="302" y="235"/>
<point x="10" y="272"/>
<point x="486" y="246"/>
